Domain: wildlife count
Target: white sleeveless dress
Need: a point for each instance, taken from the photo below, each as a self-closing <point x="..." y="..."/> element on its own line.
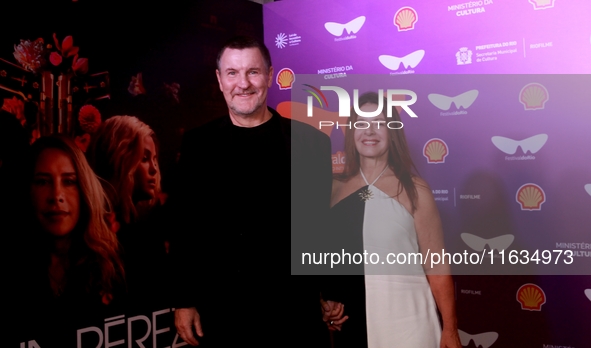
<point x="399" y="305"/>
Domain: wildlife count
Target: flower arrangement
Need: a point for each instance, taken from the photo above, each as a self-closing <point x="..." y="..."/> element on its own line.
<point x="61" y="57"/>
<point x="68" y="50"/>
<point x="34" y="55"/>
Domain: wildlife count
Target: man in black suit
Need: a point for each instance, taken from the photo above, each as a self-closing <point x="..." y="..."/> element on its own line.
<point x="245" y="179"/>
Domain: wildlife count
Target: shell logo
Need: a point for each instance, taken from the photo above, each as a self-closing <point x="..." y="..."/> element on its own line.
<point x="533" y="96"/>
<point x="405" y="18"/>
<point x="435" y="150"/>
<point x="531" y="297"/>
<point x="285" y="78"/>
<point x="530" y="197"/>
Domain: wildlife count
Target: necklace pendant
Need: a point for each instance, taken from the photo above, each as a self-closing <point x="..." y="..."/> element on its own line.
<point x="366" y="195"/>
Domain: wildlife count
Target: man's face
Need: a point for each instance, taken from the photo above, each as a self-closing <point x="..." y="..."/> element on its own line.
<point x="244" y="80"/>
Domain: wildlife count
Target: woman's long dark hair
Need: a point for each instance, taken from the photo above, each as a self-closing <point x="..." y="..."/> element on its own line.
<point x="399" y="159"/>
<point x="94" y="251"/>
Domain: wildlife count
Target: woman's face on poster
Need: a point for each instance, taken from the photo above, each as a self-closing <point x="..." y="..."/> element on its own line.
<point x="55" y="192"/>
<point x="146" y="173"/>
<point x="371" y="138"/>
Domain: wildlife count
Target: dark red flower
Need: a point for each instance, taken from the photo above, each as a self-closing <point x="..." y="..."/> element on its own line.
<point x="80" y="65"/>
<point x="67" y="50"/>
<point x="16" y="107"/>
<point x="89" y="118"/>
<point x="55" y="58"/>
<point x="67" y="47"/>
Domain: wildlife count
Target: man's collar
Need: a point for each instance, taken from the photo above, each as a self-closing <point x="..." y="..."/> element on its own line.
<point x="250" y="123"/>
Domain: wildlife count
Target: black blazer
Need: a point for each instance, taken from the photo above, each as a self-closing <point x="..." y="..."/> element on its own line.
<point x="237" y="192"/>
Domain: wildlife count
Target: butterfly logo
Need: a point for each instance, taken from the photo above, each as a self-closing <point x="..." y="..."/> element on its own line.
<point x="531" y="144"/>
<point x="588" y="189"/>
<point x="485" y="339"/>
<point x="353" y="26"/>
<point x="410" y="60"/>
<point x="541" y="4"/>
<point x="497" y="243"/>
<point x="588" y="293"/>
<point x="444" y="102"/>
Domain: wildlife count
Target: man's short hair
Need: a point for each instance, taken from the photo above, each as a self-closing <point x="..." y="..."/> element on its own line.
<point x="242" y="42"/>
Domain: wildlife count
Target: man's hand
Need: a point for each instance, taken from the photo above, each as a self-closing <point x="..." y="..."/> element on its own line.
<point x="450" y="339"/>
<point x="184" y="320"/>
<point x="332" y="314"/>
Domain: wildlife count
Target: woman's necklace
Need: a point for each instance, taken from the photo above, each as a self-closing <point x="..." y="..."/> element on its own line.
<point x="367" y="194"/>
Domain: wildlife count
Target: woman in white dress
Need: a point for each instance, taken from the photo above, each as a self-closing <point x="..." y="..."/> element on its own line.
<point x="379" y="205"/>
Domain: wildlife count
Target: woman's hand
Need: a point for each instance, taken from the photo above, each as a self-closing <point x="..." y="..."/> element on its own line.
<point x="332" y="314"/>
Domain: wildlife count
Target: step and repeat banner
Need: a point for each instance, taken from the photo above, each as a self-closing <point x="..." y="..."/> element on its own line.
<point x="495" y="101"/>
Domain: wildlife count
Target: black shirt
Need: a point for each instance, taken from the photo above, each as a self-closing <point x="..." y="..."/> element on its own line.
<point x="234" y="206"/>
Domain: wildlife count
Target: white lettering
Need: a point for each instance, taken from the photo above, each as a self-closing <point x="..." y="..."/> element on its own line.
<point x="89" y="329"/>
<point x="345" y="102"/>
<point x="176" y="343"/>
<point x="108" y="343"/>
<point x="129" y="330"/>
<point x="154" y="325"/>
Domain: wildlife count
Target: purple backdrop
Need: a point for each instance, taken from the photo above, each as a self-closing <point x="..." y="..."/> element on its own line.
<point x="513" y="128"/>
